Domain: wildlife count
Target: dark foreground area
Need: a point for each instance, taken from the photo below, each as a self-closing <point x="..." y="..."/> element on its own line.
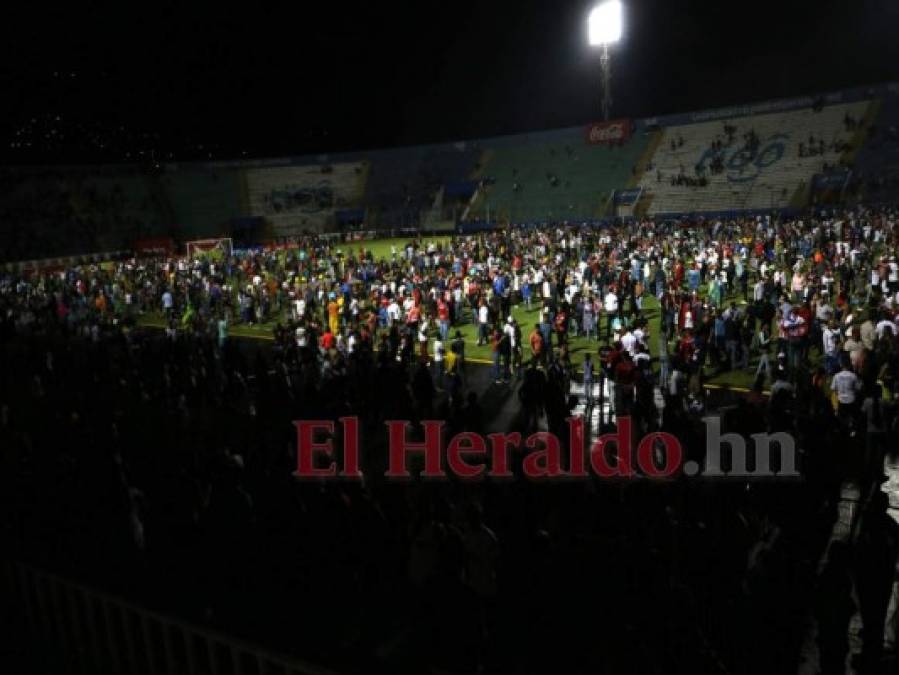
<point x="161" y="471"/>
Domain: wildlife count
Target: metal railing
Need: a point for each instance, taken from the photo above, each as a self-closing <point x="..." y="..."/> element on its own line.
<point x="74" y="629"/>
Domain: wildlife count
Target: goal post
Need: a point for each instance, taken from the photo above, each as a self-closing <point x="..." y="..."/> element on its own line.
<point x="215" y="249"/>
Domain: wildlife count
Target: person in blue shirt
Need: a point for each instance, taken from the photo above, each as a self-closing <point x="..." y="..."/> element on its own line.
<point x="499" y="284"/>
<point x="588" y="380"/>
<point x="546" y="330"/>
<point x="693" y="278"/>
<point x="720" y="333"/>
<point x="526" y="293"/>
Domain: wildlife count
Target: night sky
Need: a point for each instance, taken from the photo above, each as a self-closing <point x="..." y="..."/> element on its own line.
<point x="309" y="77"/>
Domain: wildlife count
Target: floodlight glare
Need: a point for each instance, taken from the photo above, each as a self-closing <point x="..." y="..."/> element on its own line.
<point x="605" y="23"/>
<point x="604" y="28"/>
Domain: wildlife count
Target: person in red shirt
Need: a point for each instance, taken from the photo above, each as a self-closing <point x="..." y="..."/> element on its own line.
<point x="612" y="358"/>
<point x="562" y="326"/>
<point x="328" y="342"/>
<point x="625" y="378"/>
<point x="686" y="307"/>
<point x="443" y="319"/>
<point x="536" y="340"/>
<point x="414" y="317"/>
<point x="686" y="347"/>
<point x="678" y="274"/>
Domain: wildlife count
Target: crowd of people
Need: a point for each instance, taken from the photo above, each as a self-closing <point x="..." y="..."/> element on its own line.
<point x="164" y="458"/>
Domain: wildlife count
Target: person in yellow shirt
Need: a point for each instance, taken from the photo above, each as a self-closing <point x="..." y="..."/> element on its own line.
<point x="450" y="362"/>
<point x="333" y="316"/>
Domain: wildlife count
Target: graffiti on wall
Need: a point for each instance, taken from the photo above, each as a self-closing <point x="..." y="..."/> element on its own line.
<point x="741" y="163"/>
<point x="296" y="198"/>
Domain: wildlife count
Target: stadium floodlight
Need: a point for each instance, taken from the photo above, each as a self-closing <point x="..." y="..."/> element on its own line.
<point x="604" y="23"/>
<point x="604" y="29"/>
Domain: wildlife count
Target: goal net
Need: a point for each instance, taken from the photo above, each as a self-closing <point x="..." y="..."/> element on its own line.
<point x="214" y="249"/>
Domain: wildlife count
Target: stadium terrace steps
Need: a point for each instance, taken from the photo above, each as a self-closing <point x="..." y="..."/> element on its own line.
<point x="879" y="156"/>
<point x="403" y="182"/>
<point x="554" y="177"/>
<point x="857" y="142"/>
<point x="768" y="179"/>
<point x="645" y="161"/>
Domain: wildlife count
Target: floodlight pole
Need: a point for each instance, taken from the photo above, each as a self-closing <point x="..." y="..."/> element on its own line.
<point x="606" y="63"/>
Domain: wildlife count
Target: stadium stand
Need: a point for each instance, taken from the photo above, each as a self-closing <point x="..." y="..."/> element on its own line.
<point x="204" y="200"/>
<point x="876" y="178"/>
<point x="755" y="162"/>
<point x="77" y="210"/>
<point x="772" y="155"/>
<point x="403" y="182"/>
<point x="553" y="176"/>
<point x="303" y="198"/>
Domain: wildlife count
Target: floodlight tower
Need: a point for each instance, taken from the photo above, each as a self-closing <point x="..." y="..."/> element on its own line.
<point x="604" y="28"/>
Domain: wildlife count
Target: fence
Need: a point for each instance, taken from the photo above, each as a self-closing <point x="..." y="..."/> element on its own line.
<point x="73" y="629"/>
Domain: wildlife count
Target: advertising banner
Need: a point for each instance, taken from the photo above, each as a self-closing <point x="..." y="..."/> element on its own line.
<point x="609" y="133"/>
<point x="154" y="246"/>
<point x="627" y="197"/>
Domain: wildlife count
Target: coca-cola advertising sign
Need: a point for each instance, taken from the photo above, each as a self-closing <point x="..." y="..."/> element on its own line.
<point x="614" y="131"/>
<point x="154" y="246"/>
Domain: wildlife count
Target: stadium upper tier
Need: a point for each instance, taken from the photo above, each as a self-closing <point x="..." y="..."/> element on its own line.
<point x="755" y="162"/>
<point x="770" y="155"/>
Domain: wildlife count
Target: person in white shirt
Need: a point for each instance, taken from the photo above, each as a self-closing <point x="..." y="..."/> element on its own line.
<point x="509" y="329"/>
<point x="758" y="291"/>
<point x="642" y="358"/>
<point x="640" y="334"/>
<point x="893" y="275"/>
<point x="846" y="384"/>
<point x="830" y="338"/>
<point x="457" y="303"/>
<point x="393" y="312"/>
<point x="423" y="328"/>
<point x="483" y="318"/>
<point x="885" y="328"/>
<point x="824" y="312"/>
<point x="439" y="354"/>
<point x="610" y="304"/>
<point x="168" y="303"/>
<point x="629" y="342"/>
